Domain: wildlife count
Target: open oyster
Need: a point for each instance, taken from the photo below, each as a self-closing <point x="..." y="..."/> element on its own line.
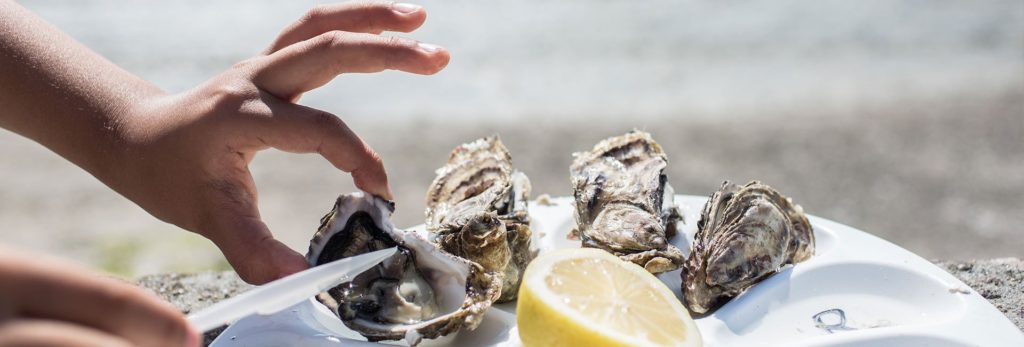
<point x="476" y="209"/>
<point x="420" y="292"/>
<point x="744" y="235"/>
<point x="624" y="203"/>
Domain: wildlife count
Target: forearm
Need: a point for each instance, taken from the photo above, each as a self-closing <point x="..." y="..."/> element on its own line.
<point x="59" y="93"/>
<point x="184" y="158"/>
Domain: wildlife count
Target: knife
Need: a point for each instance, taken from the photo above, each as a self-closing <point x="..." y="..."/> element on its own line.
<point x="285" y="292"/>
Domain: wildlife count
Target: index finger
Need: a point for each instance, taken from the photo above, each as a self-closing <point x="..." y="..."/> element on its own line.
<point x="354" y="16"/>
<point x="310" y="64"/>
<point x="41" y="287"/>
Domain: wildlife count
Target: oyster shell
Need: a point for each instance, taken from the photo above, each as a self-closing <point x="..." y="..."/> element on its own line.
<point x="476" y="209"/>
<point x="744" y="235"/>
<point x="624" y="203"/>
<point x="420" y="292"/>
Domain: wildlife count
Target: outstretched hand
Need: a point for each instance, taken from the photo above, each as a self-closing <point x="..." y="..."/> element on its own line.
<point x="187" y="156"/>
<point x="184" y="158"/>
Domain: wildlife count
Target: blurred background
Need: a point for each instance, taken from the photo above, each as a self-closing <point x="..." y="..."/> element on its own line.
<point x="902" y="118"/>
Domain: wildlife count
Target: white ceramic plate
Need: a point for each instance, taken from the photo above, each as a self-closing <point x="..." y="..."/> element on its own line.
<point x="887" y="295"/>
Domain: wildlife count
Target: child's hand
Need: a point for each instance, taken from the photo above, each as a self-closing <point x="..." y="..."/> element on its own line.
<point x="47" y="302"/>
<point x="186" y="156"/>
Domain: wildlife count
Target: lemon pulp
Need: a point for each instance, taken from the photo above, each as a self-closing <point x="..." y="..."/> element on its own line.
<point x="587" y="296"/>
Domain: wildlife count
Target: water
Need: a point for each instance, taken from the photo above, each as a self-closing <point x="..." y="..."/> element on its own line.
<point x="585" y="59"/>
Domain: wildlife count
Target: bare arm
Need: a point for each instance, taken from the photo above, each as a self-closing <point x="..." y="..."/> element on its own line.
<point x="57" y="92"/>
<point x="184" y="157"/>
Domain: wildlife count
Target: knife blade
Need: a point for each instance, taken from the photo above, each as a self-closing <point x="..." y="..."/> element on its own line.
<point x="282" y="293"/>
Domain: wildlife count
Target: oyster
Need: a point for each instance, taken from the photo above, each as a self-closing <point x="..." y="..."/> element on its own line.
<point x="420" y="292"/>
<point x="476" y="209"/>
<point x="624" y="203"/>
<point x="744" y="235"/>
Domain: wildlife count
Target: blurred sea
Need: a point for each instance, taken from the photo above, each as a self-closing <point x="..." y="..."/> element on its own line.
<point x="597" y="58"/>
<point x="903" y="118"/>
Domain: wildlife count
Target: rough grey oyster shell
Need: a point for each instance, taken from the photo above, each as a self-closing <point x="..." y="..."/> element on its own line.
<point x="624" y="203"/>
<point x="477" y="209"/>
<point x="744" y="235"/>
<point x="420" y="292"/>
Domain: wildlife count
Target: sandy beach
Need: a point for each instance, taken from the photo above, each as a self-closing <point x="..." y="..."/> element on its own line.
<point x="899" y="118"/>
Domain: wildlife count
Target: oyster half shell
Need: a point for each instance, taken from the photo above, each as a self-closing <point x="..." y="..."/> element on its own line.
<point x="476" y="209"/>
<point x="744" y="235"/>
<point x="624" y="203"/>
<point x="420" y="292"/>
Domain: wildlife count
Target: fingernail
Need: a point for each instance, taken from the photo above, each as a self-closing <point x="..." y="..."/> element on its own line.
<point x="404" y="8"/>
<point x="429" y="48"/>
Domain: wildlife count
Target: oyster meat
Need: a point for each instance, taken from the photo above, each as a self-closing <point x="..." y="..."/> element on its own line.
<point x="624" y="203"/>
<point x="744" y="235"/>
<point x="476" y="209"/>
<point x="420" y="292"/>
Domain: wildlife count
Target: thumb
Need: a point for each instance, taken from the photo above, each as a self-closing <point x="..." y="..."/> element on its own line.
<point x="232" y="221"/>
<point x="253" y="252"/>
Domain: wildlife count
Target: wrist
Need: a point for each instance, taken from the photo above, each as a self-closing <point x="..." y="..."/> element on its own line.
<point x="125" y="131"/>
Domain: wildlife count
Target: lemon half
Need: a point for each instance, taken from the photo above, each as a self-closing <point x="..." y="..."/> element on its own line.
<point x="588" y="297"/>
